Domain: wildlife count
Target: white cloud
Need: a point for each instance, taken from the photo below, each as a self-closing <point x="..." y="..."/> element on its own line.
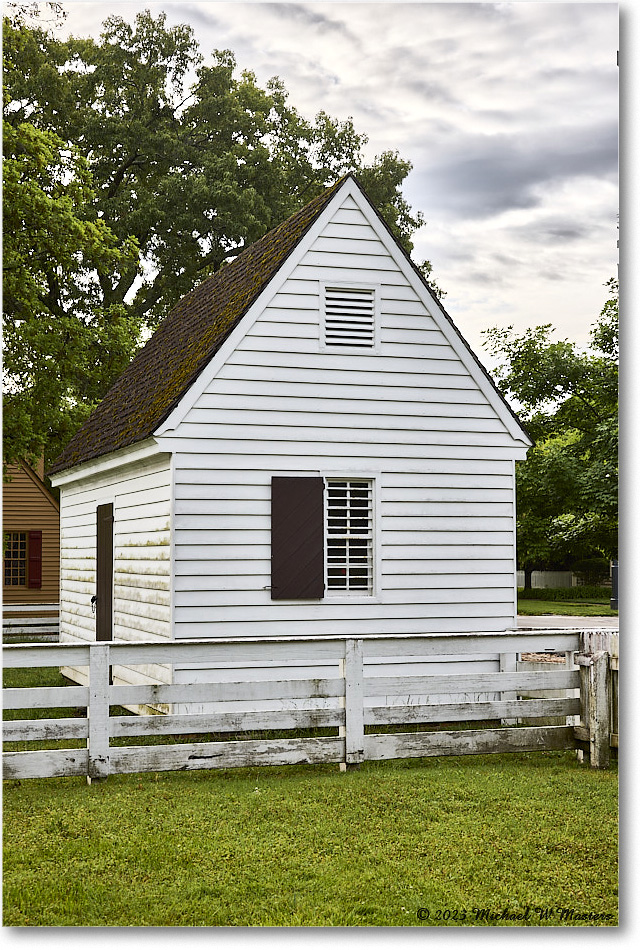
<point x="508" y="112"/>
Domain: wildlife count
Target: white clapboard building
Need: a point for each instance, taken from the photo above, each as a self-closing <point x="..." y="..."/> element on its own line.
<point x="306" y="446"/>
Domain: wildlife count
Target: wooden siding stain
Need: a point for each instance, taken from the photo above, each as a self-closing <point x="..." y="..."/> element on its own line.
<point x="411" y="417"/>
<point x="28" y="506"/>
<point x="141" y="497"/>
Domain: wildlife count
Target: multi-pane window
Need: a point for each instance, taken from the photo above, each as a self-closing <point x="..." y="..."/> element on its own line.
<point x="349" y="541"/>
<point x="15" y="559"/>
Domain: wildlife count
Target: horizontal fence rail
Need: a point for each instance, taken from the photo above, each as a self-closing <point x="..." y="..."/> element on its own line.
<point x="25" y="627"/>
<point x="378" y="697"/>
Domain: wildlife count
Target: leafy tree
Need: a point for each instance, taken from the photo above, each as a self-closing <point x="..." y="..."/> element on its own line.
<point x="60" y="344"/>
<point x="426" y="270"/>
<point x="155" y="150"/>
<point x="194" y="170"/>
<point x="567" y="503"/>
<point x="34" y="12"/>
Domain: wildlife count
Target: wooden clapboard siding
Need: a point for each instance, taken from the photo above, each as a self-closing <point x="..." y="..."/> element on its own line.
<point x="197" y="473"/>
<point x="141" y="496"/>
<point x="329" y="627"/>
<point x="253" y="433"/>
<point x="354" y="390"/>
<point x="410" y="416"/>
<point x="318" y="402"/>
<point x="28" y="506"/>
<point x="247" y="419"/>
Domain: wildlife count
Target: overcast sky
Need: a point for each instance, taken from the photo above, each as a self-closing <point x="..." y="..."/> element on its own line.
<point x="508" y="113"/>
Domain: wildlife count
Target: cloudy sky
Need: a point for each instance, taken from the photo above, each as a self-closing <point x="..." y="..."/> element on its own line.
<point x="507" y="111"/>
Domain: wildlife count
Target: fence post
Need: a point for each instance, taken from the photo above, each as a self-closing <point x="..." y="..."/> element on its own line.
<point x="614" y="665"/>
<point x="508" y="664"/>
<point x="354" y="728"/>
<point x="98" y="712"/>
<point x="570" y="664"/>
<point x="594" y="696"/>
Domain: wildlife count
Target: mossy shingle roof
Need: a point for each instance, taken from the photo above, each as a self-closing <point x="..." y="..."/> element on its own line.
<point x="187" y="339"/>
<point x="184" y="343"/>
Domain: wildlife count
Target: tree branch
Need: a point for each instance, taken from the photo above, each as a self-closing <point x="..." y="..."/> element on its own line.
<point x="120" y="174"/>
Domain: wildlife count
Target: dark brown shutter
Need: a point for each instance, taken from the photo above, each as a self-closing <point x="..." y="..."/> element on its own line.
<point x="297" y="538"/>
<point x="34" y="554"/>
<point x="104" y="570"/>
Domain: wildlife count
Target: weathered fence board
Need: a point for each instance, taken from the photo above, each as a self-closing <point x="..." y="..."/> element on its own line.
<point x="224" y="755"/>
<point x="472" y="683"/>
<point x="24" y="627"/>
<point x="41" y="654"/>
<point x="44" y="729"/>
<point x="218" y="692"/>
<point x="466" y="644"/>
<point x="469" y="741"/>
<point x="615" y="701"/>
<point x="44" y="697"/>
<point x="261" y="720"/>
<point x="594" y="690"/>
<point x="50" y="763"/>
<point x="462" y="712"/>
<point x="98" y="711"/>
<point x="276" y="691"/>
<point x="354" y="693"/>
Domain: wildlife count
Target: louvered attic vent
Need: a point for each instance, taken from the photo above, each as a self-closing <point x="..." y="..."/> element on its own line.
<point x="349" y="317"/>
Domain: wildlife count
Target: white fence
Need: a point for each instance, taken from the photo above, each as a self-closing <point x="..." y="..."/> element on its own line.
<point x="353" y="699"/>
<point x="25" y="626"/>
<point x="545" y="579"/>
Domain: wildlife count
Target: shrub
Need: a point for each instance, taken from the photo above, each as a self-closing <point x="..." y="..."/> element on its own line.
<point x="585" y="592"/>
<point x="593" y="570"/>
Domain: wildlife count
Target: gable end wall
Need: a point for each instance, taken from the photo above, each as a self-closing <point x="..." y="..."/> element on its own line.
<point x="411" y="417"/>
<point x="27" y="506"/>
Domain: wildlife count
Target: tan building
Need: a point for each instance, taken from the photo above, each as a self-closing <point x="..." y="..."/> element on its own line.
<point x="31" y="542"/>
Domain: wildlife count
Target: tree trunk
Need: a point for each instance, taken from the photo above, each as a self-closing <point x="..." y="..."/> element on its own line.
<point x="528" y="573"/>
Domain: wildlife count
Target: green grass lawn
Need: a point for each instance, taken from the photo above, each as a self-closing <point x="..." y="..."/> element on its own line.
<point x="565" y="608"/>
<point x="310" y="846"/>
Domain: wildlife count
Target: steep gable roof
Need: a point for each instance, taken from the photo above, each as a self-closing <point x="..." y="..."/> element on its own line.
<point x="21" y="476"/>
<point x="163" y="371"/>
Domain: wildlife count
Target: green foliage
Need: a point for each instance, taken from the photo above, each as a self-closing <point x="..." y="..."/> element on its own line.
<point x="592" y="570"/>
<point x="139" y="169"/>
<point x="585" y="592"/>
<point x="62" y="347"/>
<point x="426" y="269"/>
<point x="567" y="489"/>
<point x="364" y="848"/>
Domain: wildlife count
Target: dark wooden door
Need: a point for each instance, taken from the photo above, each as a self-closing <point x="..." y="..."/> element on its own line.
<point x="104" y="571"/>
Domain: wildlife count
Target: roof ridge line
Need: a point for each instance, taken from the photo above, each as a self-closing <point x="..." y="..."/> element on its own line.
<point x="186" y="340"/>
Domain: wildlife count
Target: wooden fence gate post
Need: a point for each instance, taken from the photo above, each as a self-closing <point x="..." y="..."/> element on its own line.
<point x="354" y="728"/>
<point x="98" y="712"/>
<point x="508" y="664"/>
<point x="595" y="715"/>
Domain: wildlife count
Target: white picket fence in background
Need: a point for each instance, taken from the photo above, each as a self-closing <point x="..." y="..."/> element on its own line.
<point x="545" y="579"/>
<point x="343" y="684"/>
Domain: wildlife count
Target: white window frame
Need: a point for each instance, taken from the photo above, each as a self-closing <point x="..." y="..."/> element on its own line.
<point x="15" y="537"/>
<point x="350" y="285"/>
<point x="358" y="595"/>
